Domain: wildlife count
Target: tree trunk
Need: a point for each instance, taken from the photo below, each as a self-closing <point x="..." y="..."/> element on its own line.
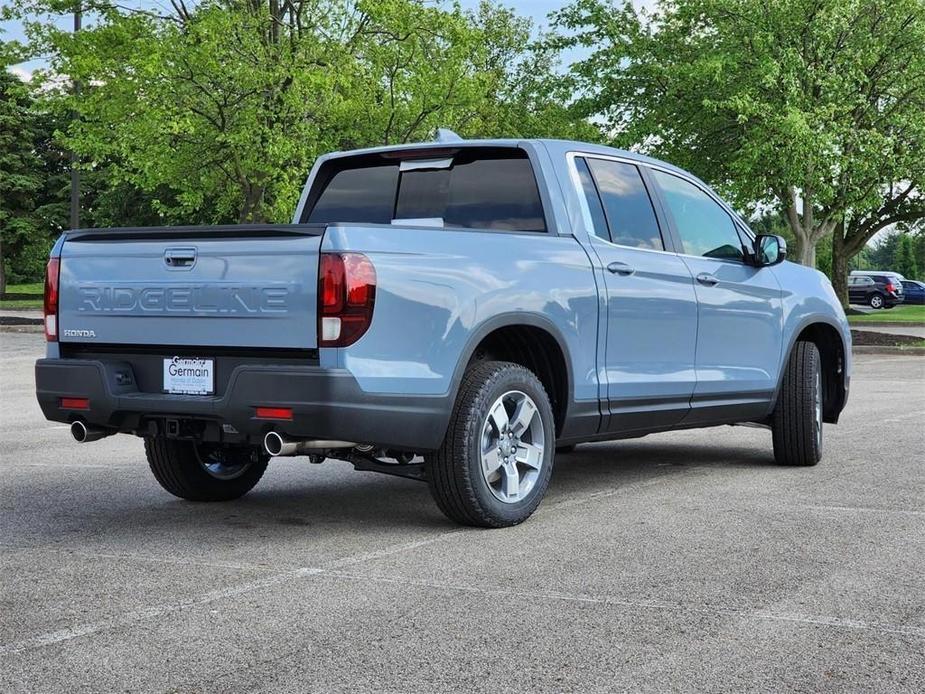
<point x="840" y="258"/>
<point x="805" y="252"/>
<point x="2" y="272"/>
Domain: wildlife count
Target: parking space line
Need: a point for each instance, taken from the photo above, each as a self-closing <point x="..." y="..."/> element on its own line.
<point x="126" y="556"/>
<point x="868" y="509"/>
<point x="62" y="635"/>
<point x="155" y="611"/>
<point x="809" y="620"/>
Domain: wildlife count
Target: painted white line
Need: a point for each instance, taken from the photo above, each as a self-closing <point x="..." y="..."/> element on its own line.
<point x="810" y="620"/>
<point x="128" y="556"/>
<point x="908" y="415"/>
<point x="153" y="612"/>
<point x="94" y="466"/>
<point x="868" y="509"/>
<point x="62" y="635"/>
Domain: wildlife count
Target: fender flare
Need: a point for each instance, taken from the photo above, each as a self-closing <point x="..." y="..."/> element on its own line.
<point x="506" y="320"/>
<point x="794" y="334"/>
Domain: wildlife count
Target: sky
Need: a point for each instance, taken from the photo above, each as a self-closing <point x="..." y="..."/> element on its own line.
<point x="537" y="10"/>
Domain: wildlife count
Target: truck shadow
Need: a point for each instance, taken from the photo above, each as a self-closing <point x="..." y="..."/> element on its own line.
<point x="295" y="499"/>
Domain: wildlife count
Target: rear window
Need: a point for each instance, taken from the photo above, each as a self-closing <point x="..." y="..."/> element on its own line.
<point x="473" y="189"/>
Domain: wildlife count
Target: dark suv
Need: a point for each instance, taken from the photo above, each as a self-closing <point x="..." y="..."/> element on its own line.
<point x="877" y="291"/>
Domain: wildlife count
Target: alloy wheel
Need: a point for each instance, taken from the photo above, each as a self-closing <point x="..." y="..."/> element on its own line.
<point x="511" y="446"/>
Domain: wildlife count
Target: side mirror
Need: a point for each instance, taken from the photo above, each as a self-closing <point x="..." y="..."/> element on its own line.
<point x="770" y="249"/>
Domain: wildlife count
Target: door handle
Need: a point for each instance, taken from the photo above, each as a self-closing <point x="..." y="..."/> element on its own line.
<point x="707" y="279"/>
<point x="619" y="268"/>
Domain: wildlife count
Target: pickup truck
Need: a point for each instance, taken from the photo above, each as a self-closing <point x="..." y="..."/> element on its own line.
<point x="455" y="312"/>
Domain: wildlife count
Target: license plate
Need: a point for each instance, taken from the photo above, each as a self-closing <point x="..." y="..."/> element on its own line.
<point x="189" y="376"/>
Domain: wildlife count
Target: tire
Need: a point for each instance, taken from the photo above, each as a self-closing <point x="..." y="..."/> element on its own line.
<point x="875" y="300"/>
<point x="797" y="420"/>
<point x="508" y="495"/>
<point x="204" y="472"/>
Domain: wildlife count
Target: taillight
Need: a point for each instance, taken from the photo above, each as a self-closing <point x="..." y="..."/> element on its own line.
<point x="346" y="294"/>
<point x="890" y="288"/>
<point x="51" y="299"/>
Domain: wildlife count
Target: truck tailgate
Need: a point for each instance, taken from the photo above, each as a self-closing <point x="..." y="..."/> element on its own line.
<point x="191" y="286"/>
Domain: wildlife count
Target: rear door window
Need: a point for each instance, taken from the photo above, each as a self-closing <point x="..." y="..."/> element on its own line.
<point x="627" y="206"/>
<point x="478" y="188"/>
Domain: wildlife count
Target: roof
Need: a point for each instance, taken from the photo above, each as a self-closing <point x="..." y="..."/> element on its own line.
<point x="553" y="146"/>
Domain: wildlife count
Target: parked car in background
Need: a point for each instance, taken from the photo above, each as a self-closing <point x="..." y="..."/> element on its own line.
<point x="913" y="292"/>
<point x="876" y="291"/>
<point x="474" y="304"/>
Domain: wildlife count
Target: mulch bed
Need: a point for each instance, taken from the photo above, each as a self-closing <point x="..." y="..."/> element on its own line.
<point x="869" y="338"/>
<point x="16" y="320"/>
<point x="19" y="296"/>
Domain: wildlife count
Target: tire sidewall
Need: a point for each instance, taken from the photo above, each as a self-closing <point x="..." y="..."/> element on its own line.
<point x="512" y="378"/>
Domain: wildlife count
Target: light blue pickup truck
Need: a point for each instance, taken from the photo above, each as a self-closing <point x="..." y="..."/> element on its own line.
<point x="453" y="311"/>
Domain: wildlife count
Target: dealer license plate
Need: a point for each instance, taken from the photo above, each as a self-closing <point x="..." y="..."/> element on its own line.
<point x="189" y="376"/>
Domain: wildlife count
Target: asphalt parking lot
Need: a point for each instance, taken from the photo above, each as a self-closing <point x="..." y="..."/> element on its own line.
<point x="684" y="561"/>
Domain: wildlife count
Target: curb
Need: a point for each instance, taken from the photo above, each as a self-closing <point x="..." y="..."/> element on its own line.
<point x="859" y="325"/>
<point x="22" y="328"/>
<point x="882" y="349"/>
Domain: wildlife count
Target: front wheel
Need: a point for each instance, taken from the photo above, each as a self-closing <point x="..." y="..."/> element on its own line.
<point x="797" y="420"/>
<point x="494" y="466"/>
<point x="202" y="471"/>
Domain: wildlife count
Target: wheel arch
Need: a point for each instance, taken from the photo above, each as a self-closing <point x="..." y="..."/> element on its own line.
<point x="531" y="340"/>
<point x="828" y="339"/>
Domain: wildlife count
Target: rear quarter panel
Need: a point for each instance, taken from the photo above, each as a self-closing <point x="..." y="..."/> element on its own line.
<point x="440" y="290"/>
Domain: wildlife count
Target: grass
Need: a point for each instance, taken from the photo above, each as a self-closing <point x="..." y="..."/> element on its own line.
<point x="36" y="288"/>
<point x="31" y="288"/>
<point x="901" y="314"/>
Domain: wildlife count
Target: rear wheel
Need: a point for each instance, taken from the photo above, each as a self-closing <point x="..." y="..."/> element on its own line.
<point x="797" y="421"/>
<point x="495" y="463"/>
<point x="202" y="471"/>
<point x="875" y="300"/>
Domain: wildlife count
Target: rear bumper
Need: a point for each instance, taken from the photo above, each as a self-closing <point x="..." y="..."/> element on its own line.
<point x="326" y="404"/>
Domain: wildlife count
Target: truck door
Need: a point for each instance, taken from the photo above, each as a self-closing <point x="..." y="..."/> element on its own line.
<point x="651" y="315"/>
<point x="739" y="307"/>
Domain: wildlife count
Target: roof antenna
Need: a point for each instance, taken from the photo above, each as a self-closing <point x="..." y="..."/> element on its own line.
<point x="447" y="135"/>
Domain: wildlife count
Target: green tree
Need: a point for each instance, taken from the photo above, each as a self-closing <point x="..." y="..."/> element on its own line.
<point x="904" y="257"/>
<point x="217" y="111"/>
<point x="882" y="253"/>
<point x="28" y="222"/>
<point x="816" y="107"/>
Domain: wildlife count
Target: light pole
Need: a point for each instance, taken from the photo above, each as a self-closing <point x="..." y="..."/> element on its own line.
<point x="75" y="174"/>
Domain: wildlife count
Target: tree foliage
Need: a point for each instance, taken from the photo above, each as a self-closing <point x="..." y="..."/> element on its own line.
<point x="904" y="260"/>
<point x="816" y="107"/>
<point x="30" y="174"/>
<point x="216" y="112"/>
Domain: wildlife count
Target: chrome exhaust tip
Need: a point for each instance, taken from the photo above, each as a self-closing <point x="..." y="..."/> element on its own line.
<point x="277" y="445"/>
<point x="83" y="433"/>
<point x="274" y="444"/>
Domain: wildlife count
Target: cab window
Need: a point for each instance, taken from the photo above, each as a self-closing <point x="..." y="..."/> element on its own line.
<point x="626" y="204"/>
<point x="704" y="227"/>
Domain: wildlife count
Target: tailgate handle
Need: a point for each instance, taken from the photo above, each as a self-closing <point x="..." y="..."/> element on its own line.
<point x="180" y="258"/>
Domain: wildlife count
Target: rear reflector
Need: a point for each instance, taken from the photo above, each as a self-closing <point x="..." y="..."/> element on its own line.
<point x="51" y="299"/>
<point x="75" y="403"/>
<point x="274" y="413"/>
